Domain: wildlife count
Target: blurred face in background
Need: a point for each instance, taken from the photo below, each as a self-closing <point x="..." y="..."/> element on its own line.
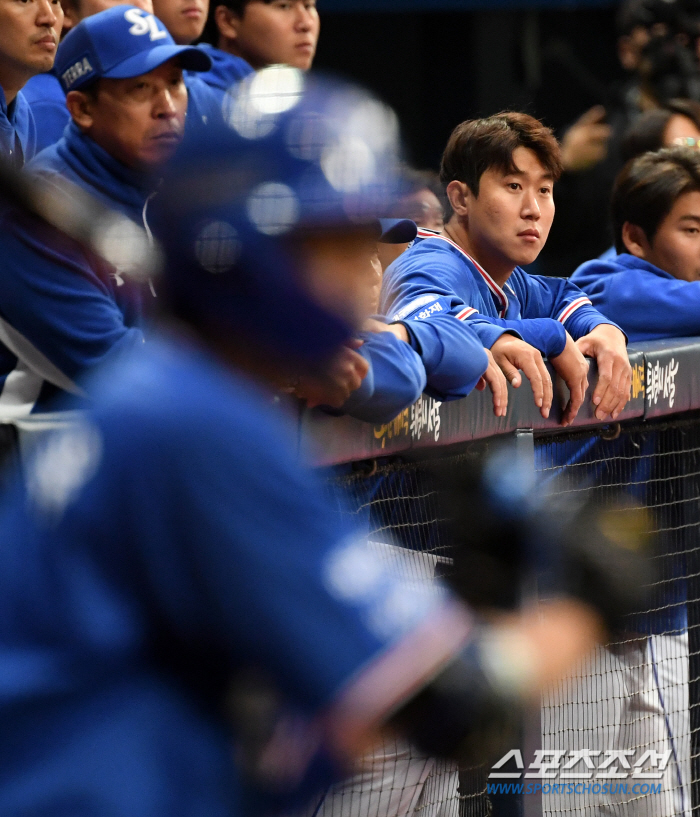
<point x="280" y="32"/>
<point x="676" y="246"/>
<point x="29" y="34"/>
<point x="425" y="209"/>
<point x="139" y="121"/>
<point x="77" y="10"/>
<point x="184" y="19"/>
<point x="681" y="130"/>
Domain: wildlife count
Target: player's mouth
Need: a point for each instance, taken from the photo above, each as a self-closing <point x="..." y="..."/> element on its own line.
<point x="307" y="46"/>
<point x="170" y="137"/>
<point x="530" y="235"/>
<point x="192" y="12"/>
<point x="47" y="41"/>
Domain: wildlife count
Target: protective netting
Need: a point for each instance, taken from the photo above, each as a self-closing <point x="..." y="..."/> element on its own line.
<point x="635" y="702"/>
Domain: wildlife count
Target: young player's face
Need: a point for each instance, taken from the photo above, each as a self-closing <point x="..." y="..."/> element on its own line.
<point x="509" y="221"/>
<point x="139" y="121"/>
<point x="29" y="33"/>
<point x="676" y="245"/>
<point x="281" y="32"/>
<point x="78" y="10"/>
<point x="425" y="209"/>
<point x="184" y="19"/>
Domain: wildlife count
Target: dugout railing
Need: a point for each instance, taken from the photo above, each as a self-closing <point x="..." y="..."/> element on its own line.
<point x="640" y="694"/>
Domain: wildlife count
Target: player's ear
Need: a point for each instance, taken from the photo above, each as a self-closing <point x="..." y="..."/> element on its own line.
<point x="80" y="107"/>
<point x="458" y="193"/>
<point x="635" y="240"/>
<point x="227" y="22"/>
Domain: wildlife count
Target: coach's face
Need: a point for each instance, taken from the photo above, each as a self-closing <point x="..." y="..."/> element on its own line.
<point x="676" y="245"/>
<point x="139" y="121"/>
<point x="509" y="221"/>
<point x="29" y="33"/>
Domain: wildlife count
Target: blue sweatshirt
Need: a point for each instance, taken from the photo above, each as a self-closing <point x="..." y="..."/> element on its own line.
<point x="63" y="311"/>
<point x="436" y="277"/>
<point x="226" y="69"/>
<point x="395" y="380"/>
<point x="17" y="130"/>
<point x="647" y="302"/>
<point x="48" y="104"/>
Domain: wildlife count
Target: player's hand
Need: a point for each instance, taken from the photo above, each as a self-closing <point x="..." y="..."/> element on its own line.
<point x="586" y="142"/>
<point x="343" y="376"/>
<point x="494" y="378"/>
<point x="572" y="367"/>
<point x="511" y="354"/>
<point x="606" y="344"/>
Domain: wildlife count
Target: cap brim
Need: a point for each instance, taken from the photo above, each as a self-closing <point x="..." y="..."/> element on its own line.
<point x="191" y="59"/>
<point x="397" y="230"/>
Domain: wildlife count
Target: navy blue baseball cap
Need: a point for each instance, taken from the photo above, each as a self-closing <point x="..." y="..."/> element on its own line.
<point x="397" y="230"/>
<point x="120" y="43"/>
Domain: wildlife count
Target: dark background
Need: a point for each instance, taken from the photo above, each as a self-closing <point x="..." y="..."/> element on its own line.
<point x="440" y="67"/>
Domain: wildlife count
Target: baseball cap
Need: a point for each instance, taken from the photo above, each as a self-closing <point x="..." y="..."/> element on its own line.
<point x="397" y="230"/>
<point x="120" y="43"/>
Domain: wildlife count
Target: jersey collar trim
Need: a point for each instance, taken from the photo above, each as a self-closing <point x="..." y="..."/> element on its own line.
<point x="500" y="295"/>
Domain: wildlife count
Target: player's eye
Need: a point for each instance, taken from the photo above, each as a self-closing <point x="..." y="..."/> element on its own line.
<point x="545" y="190"/>
<point x="514" y="185"/>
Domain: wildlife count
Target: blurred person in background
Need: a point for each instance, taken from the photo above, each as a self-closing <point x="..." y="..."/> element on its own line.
<point x="171" y="540"/>
<point x="29" y="34"/>
<point x="65" y="311"/>
<point x="658" y="47"/>
<point x="187" y="17"/>
<point x="242" y="36"/>
<point x="377" y="374"/>
<point x="499" y="174"/>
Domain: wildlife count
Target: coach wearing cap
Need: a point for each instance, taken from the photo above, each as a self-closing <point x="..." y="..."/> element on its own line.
<point x="62" y="311"/>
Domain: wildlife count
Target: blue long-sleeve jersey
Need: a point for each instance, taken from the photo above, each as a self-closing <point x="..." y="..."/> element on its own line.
<point x="226" y="69"/>
<point x="437" y="278"/>
<point x="62" y="310"/>
<point x="17" y="130"/>
<point x="395" y="380"/>
<point x="169" y="540"/>
<point x="645" y="301"/>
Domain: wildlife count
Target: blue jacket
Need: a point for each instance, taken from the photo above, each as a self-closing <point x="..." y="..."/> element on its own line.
<point x="395" y="380"/>
<point x="169" y="540"/>
<point x="435" y="278"/>
<point x="63" y="311"/>
<point x="48" y="103"/>
<point x="226" y="69"/>
<point x="17" y="130"/>
<point x="645" y="301"/>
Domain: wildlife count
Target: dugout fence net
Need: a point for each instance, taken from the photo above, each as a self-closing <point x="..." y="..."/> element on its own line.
<point x="638" y="695"/>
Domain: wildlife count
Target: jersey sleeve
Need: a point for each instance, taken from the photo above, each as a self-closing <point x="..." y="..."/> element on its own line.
<point x="395" y="381"/>
<point x="55" y="303"/>
<point x="561" y="300"/>
<point x="545" y="334"/>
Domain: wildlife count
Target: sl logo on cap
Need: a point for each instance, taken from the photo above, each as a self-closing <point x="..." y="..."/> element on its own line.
<point x="144" y="24"/>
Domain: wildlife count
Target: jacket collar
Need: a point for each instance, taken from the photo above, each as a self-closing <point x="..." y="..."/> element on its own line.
<point x="632" y="262"/>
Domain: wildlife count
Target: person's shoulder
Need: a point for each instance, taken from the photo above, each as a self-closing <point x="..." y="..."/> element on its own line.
<point x="44" y="88"/>
<point x="48" y="161"/>
<point x="428" y="251"/>
<point x="615" y="266"/>
<point x="226" y="70"/>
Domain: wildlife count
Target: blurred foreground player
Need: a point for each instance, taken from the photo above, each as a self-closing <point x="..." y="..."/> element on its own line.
<point x="172" y="537"/>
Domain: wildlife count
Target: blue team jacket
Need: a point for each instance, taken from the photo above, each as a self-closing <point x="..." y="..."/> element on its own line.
<point x="435" y="278"/>
<point x="645" y="301"/>
<point x="48" y="104"/>
<point x="65" y="310"/>
<point x="17" y="130"/>
<point x="395" y="380"/>
<point x="166" y="541"/>
<point x="226" y="69"/>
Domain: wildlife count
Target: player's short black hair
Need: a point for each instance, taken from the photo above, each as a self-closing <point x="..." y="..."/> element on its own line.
<point x="647" y="131"/>
<point x="477" y="145"/>
<point x="648" y="187"/>
<point x="211" y="32"/>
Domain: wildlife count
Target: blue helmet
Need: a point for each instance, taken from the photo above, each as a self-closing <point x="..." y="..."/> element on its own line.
<point x="293" y="153"/>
